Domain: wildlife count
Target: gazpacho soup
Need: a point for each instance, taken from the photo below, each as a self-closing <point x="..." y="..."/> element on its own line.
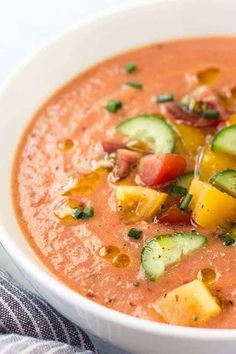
<point x="124" y="183"/>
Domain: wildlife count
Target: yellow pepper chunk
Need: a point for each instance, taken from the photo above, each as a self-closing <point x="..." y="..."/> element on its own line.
<point x="210" y="207"/>
<point x="135" y="203"/>
<point x="188" y="305"/>
<point x="213" y="162"/>
<point x="191" y="138"/>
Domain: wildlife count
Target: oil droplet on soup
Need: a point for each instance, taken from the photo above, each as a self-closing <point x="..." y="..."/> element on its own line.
<point x="207" y="275"/>
<point x="108" y="252"/>
<point x="232" y="119"/>
<point x="65" y="145"/>
<point x="84" y="185"/>
<point x="121" y="261"/>
<point x="208" y="76"/>
<point x="64" y="209"/>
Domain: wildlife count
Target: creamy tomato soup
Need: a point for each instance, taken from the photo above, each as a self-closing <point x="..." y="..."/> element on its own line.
<point x="124" y="183"/>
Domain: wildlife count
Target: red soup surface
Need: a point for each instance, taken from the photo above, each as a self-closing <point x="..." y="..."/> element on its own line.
<point x="90" y="187"/>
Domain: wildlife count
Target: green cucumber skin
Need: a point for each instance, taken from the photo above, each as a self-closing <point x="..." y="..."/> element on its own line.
<point x="146" y="127"/>
<point x="185" y="180"/>
<point x="225" y="141"/>
<point x="225" y="181"/>
<point x="165" y="250"/>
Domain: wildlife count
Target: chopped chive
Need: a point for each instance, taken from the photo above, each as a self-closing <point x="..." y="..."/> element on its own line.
<point x="211" y="114"/>
<point x="78" y="213"/>
<point x="135" y="85"/>
<point x="83" y="214"/>
<point x="130" y="67"/>
<point x="227" y="239"/>
<point x="113" y="106"/>
<point x="165" y="97"/>
<point x="135" y="233"/>
<point x="185" y="203"/>
<point x="88" y="213"/>
<point x="179" y="190"/>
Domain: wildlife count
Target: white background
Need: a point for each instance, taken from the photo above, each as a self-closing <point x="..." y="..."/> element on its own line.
<point x="26" y="25"/>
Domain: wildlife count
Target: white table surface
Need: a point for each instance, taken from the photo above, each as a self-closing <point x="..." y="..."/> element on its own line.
<point x="24" y="26"/>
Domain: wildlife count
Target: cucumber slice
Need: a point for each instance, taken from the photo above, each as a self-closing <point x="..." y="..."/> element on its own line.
<point x="163" y="251"/>
<point x="226" y="181"/>
<point x="185" y="180"/>
<point x="153" y="131"/>
<point x="225" y="140"/>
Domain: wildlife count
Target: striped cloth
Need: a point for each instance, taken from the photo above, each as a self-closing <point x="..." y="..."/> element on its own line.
<point x="29" y="325"/>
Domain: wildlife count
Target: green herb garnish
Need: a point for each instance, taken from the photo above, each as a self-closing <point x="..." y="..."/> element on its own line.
<point x="86" y="213"/>
<point x="165" y="97"/>
<point x="227" y="239"/>
<point x="179" y="190"/>
<point x="113" y="106"/>
<point x="135" y="233"/>
<point x="185" y="203"/>
<point x="135" y="85"/>
<point x="78" y="213"/>
<point x="130" y="67"/>
<point x="211" y="114"/>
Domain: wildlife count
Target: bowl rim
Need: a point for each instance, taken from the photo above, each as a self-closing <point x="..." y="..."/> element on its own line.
<point x="38" y="271"/>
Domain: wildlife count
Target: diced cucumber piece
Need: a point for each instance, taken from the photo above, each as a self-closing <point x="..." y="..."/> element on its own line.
<point x="163" y="251"/>
<point x="185" y="180"/>
<point x="225" y="140"/>
<point x="182" y="184"/>
<point x="226" y="181"/>
<point x="153" y="131"/>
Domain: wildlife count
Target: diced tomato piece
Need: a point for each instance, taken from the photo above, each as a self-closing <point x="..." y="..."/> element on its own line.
<point x="111" y="146"/>
<point x="174" y="215"/>
<point x="125" y="159"/>
<point x="159" y="169"/>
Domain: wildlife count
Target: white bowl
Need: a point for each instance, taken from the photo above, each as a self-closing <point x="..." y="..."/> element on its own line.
<point x="24" y="93"/>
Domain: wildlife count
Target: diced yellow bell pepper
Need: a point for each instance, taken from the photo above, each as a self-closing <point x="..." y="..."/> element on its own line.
<point x="188" y="305"/>
<point x="135" y="203"/>
<point x="213" y="162"/>
<point x="191" y="138"/>
<point x="210" y="207"/>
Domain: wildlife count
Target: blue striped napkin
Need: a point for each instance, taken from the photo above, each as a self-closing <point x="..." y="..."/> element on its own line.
<point x="29" y="325"/>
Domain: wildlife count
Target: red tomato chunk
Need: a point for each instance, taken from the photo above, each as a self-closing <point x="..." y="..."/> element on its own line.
<point x="159" y="169"/>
